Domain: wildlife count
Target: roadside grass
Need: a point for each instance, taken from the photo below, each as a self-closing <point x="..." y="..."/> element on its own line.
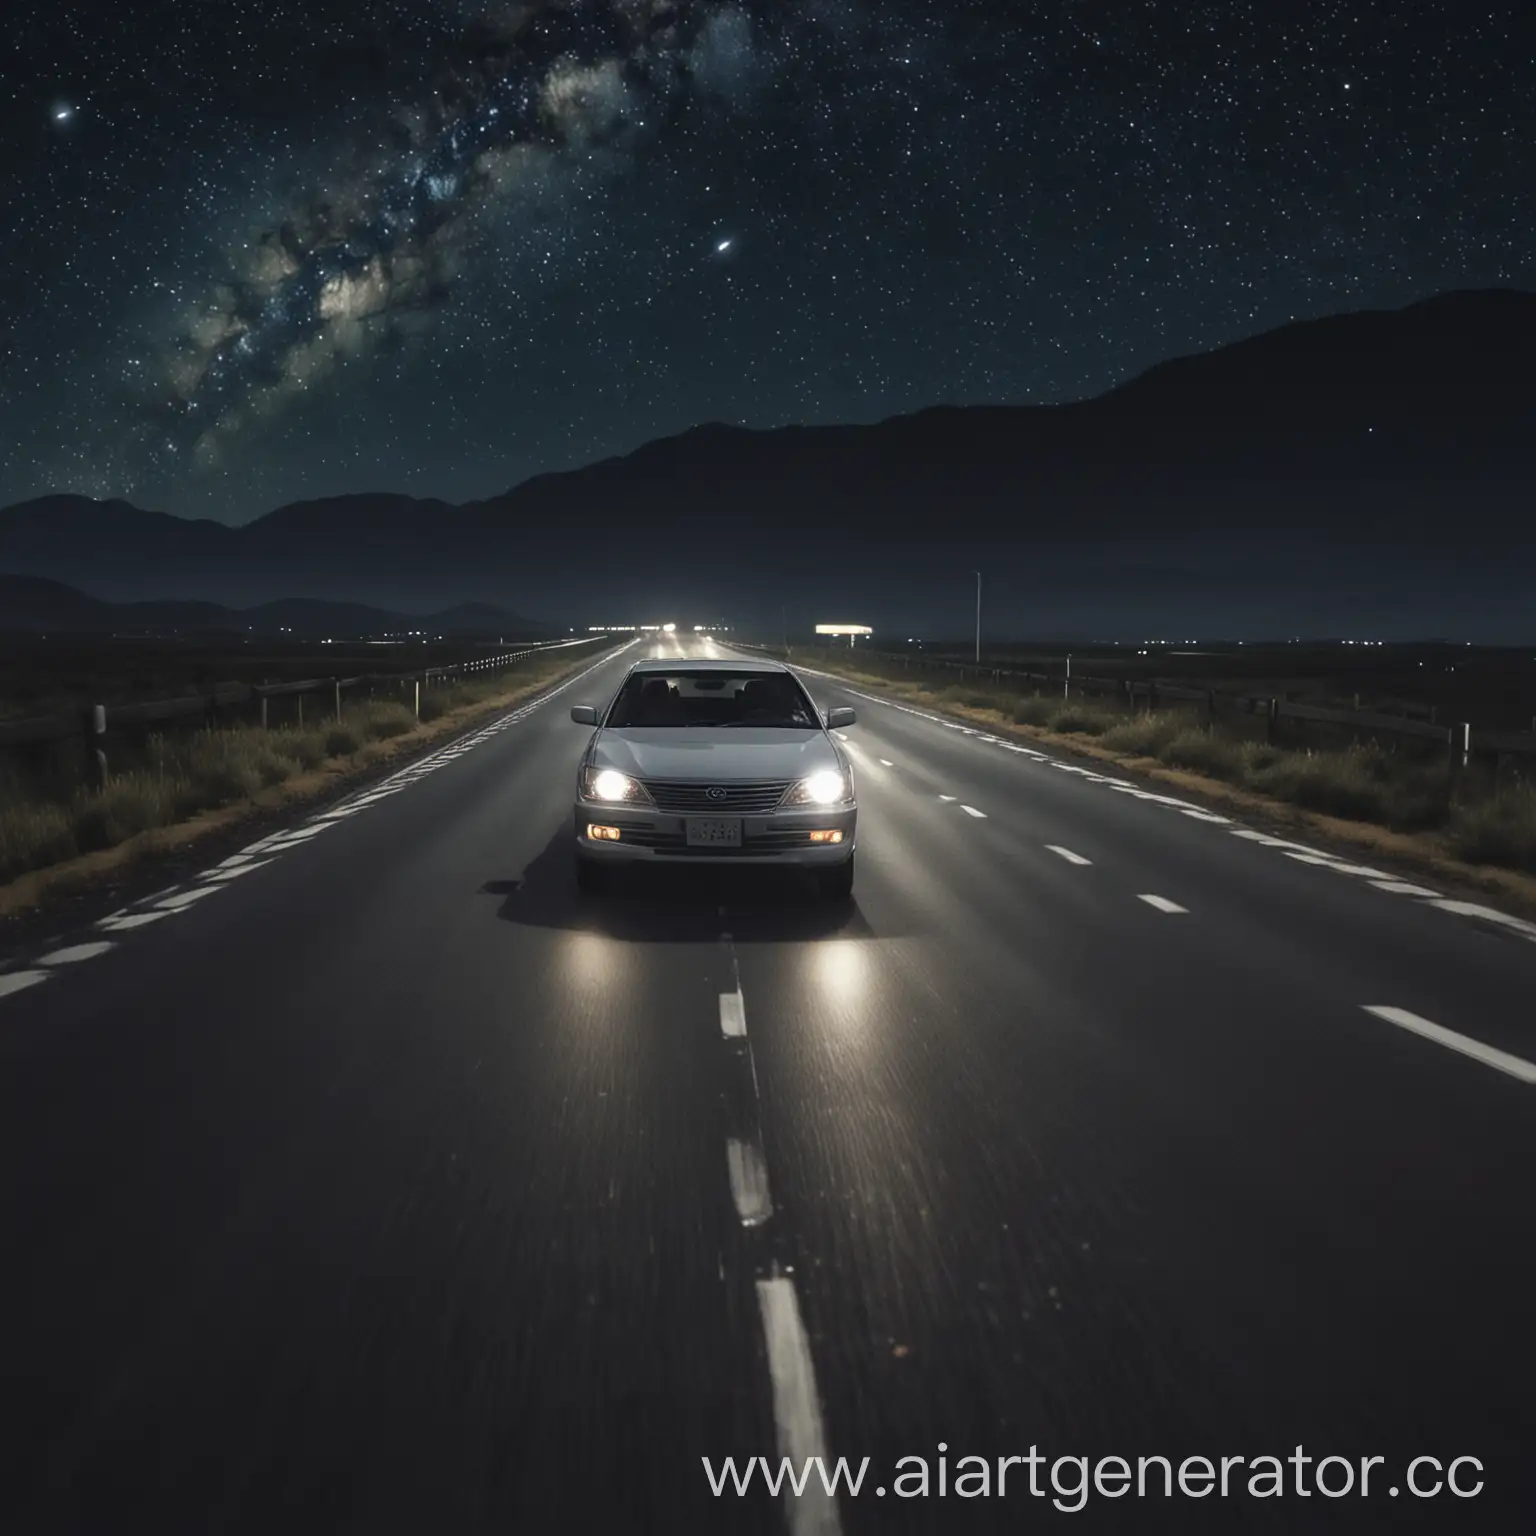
<point x="1080" y="720"/>
<point x="1032" y="711"/>
<point x="1498" y="830"/>
<point x="1471" y="815"/>
<point x="1145" y="735"/>
<point x="174" y="776"/>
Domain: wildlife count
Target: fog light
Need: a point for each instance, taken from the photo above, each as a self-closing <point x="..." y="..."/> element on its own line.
<point x="603" y="834"/>
<point x="826" y="837"/>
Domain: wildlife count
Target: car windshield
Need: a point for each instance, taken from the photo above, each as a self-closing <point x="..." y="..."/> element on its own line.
<point x="713" y="698"/>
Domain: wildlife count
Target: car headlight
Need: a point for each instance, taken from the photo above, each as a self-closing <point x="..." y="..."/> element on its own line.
<point x="609" y="785"/>
<point x="828" y="787"/>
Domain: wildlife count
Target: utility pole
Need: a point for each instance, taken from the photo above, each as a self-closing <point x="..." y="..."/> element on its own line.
<point x="978" y="618"/>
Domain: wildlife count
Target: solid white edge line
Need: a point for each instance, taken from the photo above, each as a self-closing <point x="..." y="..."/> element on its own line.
<point x="19" y="981"/>
<point x="1162" y="903"/>
<point x="186" y="898"/>
<point x="301" y="834"/>
<point x="748" y="1170"/>
<point x="77" y="952"/>
<point x="733" y="1015"/>
<point x="970" y="810"/>
<point x="1488" y="915"/>
<point x="796" y="1406"/>
<point x="1339" y="866"/>
<point x="1067" y="854"/>
<point x="1403" y="888"/>
<point x="224" y="876"/>
<point x="1489" y="1055"/>
<point x="1266" y="840"/>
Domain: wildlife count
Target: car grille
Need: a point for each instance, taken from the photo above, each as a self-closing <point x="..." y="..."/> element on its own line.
<point x="765" y="844"/>
<point x="694" y="798"/>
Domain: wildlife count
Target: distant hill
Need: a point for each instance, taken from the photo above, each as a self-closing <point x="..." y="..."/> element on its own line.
<point x="1320" y="471"/>
<point x="37" y="605"/>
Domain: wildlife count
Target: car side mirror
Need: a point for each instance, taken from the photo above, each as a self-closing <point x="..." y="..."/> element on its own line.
<point x="583" y="714"/>
<point x="837" y="718"/>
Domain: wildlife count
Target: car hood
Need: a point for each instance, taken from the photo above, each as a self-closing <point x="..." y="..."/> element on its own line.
<point x="714" y="754"/>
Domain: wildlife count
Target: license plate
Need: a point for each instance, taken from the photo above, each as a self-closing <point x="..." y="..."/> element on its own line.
<point x="714" y="832"/>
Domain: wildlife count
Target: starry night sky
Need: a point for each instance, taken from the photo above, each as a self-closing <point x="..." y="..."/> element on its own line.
<point x="255" y="252"/>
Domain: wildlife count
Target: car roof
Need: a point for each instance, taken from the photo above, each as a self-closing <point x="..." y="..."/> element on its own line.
<point x="710" y="664"/>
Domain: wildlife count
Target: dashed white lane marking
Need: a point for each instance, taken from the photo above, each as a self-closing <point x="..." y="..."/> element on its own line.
<point x="1067" y="854"/>
<point x="749" y="1182"/>
<point x="796" y="1406"/>
<point x="885" y="762"/>
<point x="970" y="810"/>
<point x="1471" y="910"/>
<point x="1403" y="888"/>
<point x="76" y="952"/>
<point x="1162" y="903"/>
<point x="733" y="1015"/>
<point x="19" y="981"/>
<point x="948" y="799"/>
<point x="1489" y="1055"/>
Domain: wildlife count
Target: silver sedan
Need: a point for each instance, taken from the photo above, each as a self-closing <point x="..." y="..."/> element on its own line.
<point x="724" y="761"/>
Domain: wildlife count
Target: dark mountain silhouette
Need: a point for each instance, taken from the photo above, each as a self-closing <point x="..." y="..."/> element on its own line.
<point x="40" y="606"/>
<point x="1332" y="468"/>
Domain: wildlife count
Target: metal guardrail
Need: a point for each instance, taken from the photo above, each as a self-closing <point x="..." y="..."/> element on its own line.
<point x="1462" y="740"/>
<point x="94" y="721"/>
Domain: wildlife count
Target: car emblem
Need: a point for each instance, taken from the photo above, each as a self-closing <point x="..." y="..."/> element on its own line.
<point x="715" y="794"/>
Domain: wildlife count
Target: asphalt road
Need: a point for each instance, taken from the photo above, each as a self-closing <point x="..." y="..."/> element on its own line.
<point x="378" y="1183"/>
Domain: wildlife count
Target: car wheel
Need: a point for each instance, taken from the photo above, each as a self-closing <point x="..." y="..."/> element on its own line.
<point x="591" y="877"/>
<point x="836" y="884"/>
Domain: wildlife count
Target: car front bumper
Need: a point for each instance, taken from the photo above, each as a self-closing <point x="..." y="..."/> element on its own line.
<point x="648" y="836"/>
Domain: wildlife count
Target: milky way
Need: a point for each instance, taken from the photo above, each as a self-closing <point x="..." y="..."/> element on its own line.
<point x="557" y="75"/>
<point x="282" y="249"/>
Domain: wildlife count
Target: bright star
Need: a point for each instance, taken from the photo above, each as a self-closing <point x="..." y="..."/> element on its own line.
<point x="723" y="247"/>
<point x="63" y="114"/>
